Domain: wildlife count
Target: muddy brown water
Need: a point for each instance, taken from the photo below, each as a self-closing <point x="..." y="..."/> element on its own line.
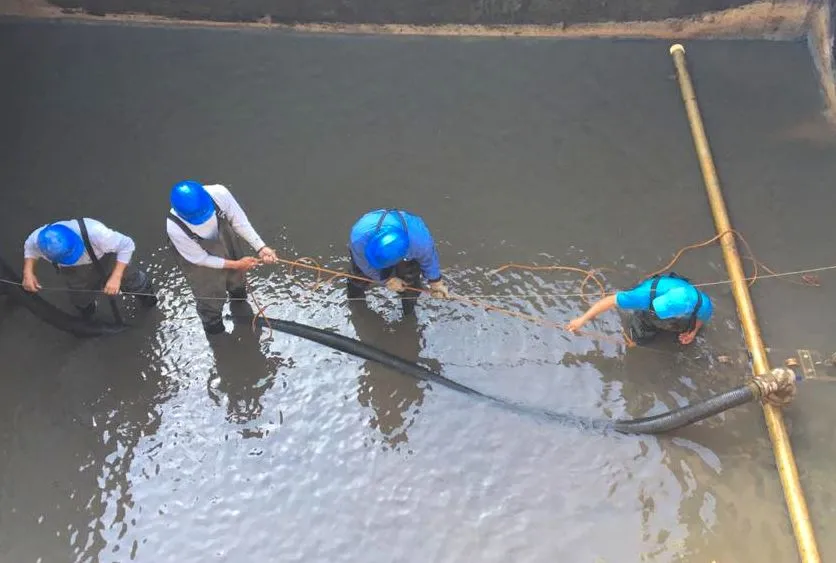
<point x="155" y="446"/>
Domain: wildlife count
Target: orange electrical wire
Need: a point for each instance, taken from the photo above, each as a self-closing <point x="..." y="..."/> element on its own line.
<point x="590" y="275"/>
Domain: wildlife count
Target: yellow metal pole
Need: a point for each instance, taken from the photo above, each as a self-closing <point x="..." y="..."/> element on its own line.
<point x="796" y="504"/>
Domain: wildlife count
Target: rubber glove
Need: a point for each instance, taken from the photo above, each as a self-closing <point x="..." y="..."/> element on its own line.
<point x="438" y="289"/>
<point x="395" y="284"/>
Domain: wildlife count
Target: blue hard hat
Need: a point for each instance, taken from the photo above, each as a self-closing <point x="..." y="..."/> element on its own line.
<point x="60" y="244"/>
<point x="387" y="247"/>
<point x="192" y="202"/>
<point x="678" y="302"/>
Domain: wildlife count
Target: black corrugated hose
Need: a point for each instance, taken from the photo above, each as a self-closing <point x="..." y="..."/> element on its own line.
<point x="658" y="424"/>
<point x="650" y="425"/>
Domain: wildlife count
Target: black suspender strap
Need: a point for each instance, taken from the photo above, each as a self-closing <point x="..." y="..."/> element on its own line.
<point x="387" y="212"/>
<point x="185" y="228"/>
<point x="692" y="322"/>
<point x="653" y="285"/>
<point x="85" y="237"/>
<point x="180" y="223"/>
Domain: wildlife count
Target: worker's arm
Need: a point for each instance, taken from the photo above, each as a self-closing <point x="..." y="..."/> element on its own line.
<point x="30" y="280"/>
<point x="703" y="316"/>
<point x="195" y="254"/>
<point x="31" y="254"/>
<point x="241" y="223"/>
<point x="108" y="241"/>
<point x="602" y="306"/>
<point x="688" y="337"/>
<point x="422" y="248"/>
<point x="358" y="254"/>
<point x="114" y="282"/>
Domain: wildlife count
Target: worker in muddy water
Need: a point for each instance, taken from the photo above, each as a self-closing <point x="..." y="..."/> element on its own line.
<point x="662" y="303"/>
<point x="207" y="228"/>
<point x="90" y="257"/>
<point x="394" y="248"/>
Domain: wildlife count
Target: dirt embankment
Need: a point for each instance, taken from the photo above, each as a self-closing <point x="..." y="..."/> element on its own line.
<point x="584" y="18"/>
<point x="419" y="12"/>
<point x="669" y="19"/>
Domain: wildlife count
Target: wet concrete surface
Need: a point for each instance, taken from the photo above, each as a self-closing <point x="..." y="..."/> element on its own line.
<point x="156" y="445"/>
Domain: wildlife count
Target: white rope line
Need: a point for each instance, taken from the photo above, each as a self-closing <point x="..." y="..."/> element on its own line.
<point x="474" y="296"/>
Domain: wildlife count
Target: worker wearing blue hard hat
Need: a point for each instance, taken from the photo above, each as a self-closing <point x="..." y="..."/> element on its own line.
<point x="394" y="248"/>
<point x="664" y="302"/>
<point x="89" y="256"/>
<point x="207" y="228"/>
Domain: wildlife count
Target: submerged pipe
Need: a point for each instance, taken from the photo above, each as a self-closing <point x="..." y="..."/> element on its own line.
<point x="657" y="424"/>
<point x="48" y="312"/>
<point x="787" y="470"/>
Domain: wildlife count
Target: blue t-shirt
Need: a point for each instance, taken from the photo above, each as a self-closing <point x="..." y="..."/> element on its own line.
<point x="638" y="298"/>
<point x="421" y="243"/>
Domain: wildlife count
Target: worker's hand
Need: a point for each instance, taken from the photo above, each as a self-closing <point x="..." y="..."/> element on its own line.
<point x="575" y="324"/>
<point x="113" y="285"/>
<point x="438" y="289"/>
<point x="395" y="284"/>
<point x="246" y="263"/>
<point x="687" y="337"/>
<point x="268" y="255"/>
<point x="31" y="283"/>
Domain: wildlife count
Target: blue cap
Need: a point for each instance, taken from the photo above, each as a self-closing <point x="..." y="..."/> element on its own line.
<point x="387" y="247"/>
<point x="192" y="202"/>
<point x="678" y="302"/>
<point x="60" y="244"/>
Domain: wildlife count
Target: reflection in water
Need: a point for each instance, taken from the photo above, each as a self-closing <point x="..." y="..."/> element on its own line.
<point x="389" y="393"/>
<point x="72" y="432"/>
<point x="242" y="372"/>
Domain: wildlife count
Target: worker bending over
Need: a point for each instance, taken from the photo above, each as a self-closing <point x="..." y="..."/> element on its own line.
<point x="206" y="226"/>
<point x="664" y="302"/>
<point x="90" y="257"/>
<point x="394" y="248"/>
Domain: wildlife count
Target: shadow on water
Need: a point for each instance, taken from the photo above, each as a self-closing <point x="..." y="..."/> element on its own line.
<point x="71" y="417"/>
<point x="395" y="398"/>
<point x="242" y="372"/>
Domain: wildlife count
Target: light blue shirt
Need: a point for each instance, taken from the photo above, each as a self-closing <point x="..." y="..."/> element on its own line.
<point x="638" y="298"/>
<point x="421" y="243"/>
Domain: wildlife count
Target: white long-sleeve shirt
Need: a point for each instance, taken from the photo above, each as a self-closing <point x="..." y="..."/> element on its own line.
<point x="103" y="239"/>
<point x="192" y="251"/>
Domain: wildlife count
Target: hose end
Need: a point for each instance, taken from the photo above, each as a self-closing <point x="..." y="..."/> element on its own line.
<point x="677" y="48"/>
<point x="776" y="387"/>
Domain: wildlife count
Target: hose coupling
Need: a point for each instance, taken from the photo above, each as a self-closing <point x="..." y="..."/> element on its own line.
<point x="776" y="387"/>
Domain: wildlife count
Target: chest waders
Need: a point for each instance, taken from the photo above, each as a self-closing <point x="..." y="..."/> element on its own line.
<point x="407" y="270"/>
<point x="87" y="279"/>
<point x="645" y="325"/>
<point x="211" y="285"/>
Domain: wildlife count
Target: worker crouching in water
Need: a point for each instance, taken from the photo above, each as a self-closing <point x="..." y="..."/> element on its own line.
<point x="206" y="226"/>
<point x="394" y="248"/>
<point x="663" y="303"/>
<point x="90" y="257"/>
